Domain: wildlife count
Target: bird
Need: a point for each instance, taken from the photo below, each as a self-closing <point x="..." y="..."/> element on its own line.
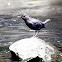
<point x="33" y="23"/>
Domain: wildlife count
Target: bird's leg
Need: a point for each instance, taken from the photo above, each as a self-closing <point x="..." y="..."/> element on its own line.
<point x="36" y="33"/>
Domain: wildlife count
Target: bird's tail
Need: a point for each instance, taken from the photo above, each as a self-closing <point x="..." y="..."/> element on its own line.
<point x="47" y="20"/>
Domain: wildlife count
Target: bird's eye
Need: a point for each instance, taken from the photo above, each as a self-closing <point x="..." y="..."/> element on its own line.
<point x="24" y="16"/>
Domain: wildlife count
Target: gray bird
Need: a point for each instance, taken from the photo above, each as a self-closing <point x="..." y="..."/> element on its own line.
<point x="33" y="23"/>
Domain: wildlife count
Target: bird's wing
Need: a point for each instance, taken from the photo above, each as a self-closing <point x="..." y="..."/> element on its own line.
<point x="33" y="20"/>
<point x="37" y="24"/>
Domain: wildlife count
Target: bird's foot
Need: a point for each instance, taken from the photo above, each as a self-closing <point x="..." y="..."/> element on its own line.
<point x="36" y="33"/>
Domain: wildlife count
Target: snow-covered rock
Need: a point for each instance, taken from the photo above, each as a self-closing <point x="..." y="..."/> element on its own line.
<point x="30" y="48"/>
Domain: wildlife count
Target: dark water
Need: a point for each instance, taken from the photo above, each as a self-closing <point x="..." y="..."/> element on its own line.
<point x="13" y="29"/>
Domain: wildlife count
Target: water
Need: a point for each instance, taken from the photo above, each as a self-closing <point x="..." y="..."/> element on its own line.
<point x="13" y="28"/>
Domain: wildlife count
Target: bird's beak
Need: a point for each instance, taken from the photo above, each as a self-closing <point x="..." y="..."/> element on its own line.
<point x="19" y="16"/>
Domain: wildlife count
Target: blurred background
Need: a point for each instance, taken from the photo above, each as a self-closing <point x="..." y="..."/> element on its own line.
<point x="13" y="28"/>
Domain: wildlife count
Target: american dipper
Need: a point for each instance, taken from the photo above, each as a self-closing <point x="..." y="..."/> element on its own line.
<point x="33" y="23"/>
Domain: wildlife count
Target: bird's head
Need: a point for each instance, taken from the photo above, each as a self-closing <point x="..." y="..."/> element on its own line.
<point x="24" y="16"/>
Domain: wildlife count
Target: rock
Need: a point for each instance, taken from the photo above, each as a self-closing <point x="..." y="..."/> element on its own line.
<point x="33" y="47"/>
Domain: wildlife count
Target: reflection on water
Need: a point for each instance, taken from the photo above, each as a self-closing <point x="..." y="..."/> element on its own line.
<point x="13" y="29"/>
